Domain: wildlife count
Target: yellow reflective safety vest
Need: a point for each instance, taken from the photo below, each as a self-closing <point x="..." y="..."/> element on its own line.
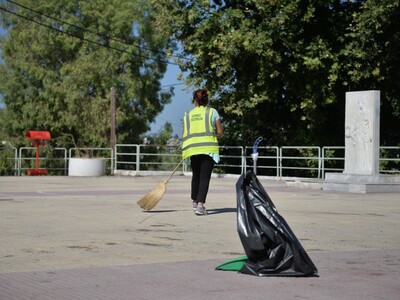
<point x="198" y="133"/>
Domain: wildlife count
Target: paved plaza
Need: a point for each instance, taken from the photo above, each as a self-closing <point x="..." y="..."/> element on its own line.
<point x="86" y="238"/>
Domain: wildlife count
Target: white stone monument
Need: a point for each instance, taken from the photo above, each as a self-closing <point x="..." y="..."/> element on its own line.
<point x="362" y="133"/>
<point x="361" y="168"/>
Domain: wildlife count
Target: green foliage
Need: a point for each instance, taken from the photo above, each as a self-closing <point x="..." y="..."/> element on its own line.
<point x="389" y="160"/>
<point x="280" y="68"/>
<point x="159" y="143"/>
<point x="372" y="60"/>
<point x="7" y="161"/>
<point x="60" y="80"/>
<point x="162" y="137"/>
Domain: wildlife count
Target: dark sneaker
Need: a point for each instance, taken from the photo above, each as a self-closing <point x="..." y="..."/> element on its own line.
<point x="194" y="205"/>
<point x="200" y="210"/>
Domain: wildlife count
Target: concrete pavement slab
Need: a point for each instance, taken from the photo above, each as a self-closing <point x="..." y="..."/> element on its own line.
<point x="85" y="238"/>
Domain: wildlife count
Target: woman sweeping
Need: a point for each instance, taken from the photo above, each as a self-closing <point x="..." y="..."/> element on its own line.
<point x="201" y="127"/>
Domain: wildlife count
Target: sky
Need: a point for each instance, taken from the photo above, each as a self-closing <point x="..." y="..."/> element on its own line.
<point x="181" y="102"/>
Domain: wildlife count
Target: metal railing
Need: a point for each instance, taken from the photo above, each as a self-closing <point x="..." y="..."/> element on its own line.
<point x="232" y="160"/>
<point x="389" y="157"/>
<point x="268" y="160"/>
<point x="8" y="160"/>
<point x="291" y="161"/>
<point x="332" y="159"/>
<point x="141" y="157"/>
<point x="27" y="157"/>
<point x="285" y="161"/>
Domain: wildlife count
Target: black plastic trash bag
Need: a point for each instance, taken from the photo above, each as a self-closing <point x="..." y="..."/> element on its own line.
<point x="271" y="247"/>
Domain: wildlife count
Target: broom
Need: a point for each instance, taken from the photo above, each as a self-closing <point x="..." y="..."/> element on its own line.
<point x="150" y="200"/>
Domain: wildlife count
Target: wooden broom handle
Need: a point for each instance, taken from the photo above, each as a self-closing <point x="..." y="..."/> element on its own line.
<point x="173" y="172"/>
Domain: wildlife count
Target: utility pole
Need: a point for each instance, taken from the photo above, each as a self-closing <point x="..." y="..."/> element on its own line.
<point x="112" y="120"/>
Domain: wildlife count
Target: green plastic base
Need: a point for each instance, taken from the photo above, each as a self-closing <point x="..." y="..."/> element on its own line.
<point x="233" y="265"/>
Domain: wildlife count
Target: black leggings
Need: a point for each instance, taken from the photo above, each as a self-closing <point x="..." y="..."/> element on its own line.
<point x="202" y="166"/>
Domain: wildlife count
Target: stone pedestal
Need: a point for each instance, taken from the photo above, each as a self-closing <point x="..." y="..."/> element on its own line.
<point x="361" y="183"/>
<point x="361" y="169"/>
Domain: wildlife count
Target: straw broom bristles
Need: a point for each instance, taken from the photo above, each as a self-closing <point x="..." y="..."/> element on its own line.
<point x="150" y="200"/>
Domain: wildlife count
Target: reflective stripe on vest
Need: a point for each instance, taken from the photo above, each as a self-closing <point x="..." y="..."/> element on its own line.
<point x="199" y="136"/>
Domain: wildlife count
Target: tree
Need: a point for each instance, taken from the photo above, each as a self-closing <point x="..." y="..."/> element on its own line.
<point x="161" y="142"/>
<point x="162" y="137"/>
<point x="60" y="59"/>
<point x="373" y="61"/>
<point x="277" y="68"/>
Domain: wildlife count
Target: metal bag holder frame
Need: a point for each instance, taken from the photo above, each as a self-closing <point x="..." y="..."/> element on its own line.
<point x="38" y="139"/>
